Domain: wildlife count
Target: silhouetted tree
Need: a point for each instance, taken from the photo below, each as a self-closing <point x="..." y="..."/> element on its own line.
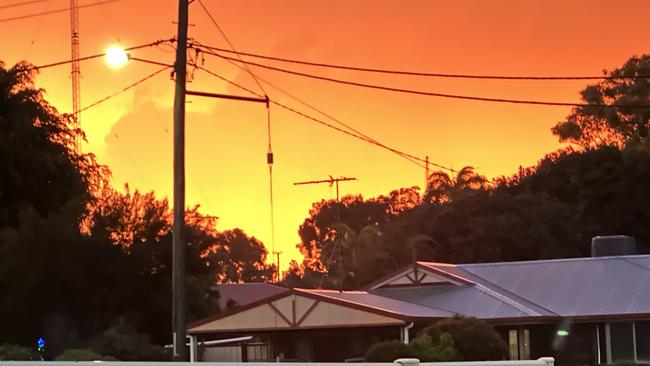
<point x="75" y="255"/>
<point x="593" y="126"/>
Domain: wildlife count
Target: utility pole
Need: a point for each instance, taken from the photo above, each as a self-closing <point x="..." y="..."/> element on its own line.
<point x="178" y="228"/>
<point x="333" y="181"/>
<point x="279" y="273"/>
<point x="426" y="173"/>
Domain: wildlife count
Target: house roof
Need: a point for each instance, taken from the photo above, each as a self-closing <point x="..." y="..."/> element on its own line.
<point x="245" y="293"/>
<point x="383" y="303"/>
<point x="615" y="287"/>
<point x="465" y="300"/>
<point x="577" y="287"/>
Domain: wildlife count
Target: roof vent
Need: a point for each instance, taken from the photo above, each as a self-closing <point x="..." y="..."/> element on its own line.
<point x="602" y="246"/>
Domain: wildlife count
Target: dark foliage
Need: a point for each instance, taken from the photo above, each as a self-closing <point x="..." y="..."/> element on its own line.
<point x="389" y="351"/>
<point x="475" y="339"/>
<point x="76" y="256"/>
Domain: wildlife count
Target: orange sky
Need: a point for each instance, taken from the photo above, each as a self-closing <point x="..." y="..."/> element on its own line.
<point x="226" y="140"/>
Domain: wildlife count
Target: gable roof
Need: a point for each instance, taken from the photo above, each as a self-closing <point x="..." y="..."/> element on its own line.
<point x="576" y="287"/>
<point x="410" y="310"/>
<point x="310" y="309"/>
<point x="616" y="286"/>
<point x="545" y="290"/>
<point x="241" y="294"/>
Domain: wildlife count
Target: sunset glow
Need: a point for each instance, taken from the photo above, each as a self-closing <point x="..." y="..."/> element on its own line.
<point x="227" y="140"/>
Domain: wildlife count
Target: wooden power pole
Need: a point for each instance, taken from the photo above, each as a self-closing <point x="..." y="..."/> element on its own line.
<point x="178" y="228"/>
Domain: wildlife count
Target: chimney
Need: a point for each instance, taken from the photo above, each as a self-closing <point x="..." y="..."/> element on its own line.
<point x="602" y="246"/>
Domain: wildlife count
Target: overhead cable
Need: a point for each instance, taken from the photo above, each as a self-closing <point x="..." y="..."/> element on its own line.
<point x="63" y="10"/>
<point x="427" y="74"/>
<point x="23" y="3"/>
<point x="130" y="86"/>
<point x="65" y="62"/>
<point x="408" y="157"/>
<point x="430" y="94"/>
<point x="233" y="49"/>
<point x="321" y="122"/>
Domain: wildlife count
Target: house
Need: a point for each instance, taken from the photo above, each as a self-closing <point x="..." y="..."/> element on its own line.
<point x="582" y="311"/>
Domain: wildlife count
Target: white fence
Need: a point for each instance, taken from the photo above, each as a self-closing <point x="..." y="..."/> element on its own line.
<point x="545" y="361"/>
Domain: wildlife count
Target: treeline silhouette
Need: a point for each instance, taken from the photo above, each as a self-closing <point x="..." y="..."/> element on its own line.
<point x="83" y="265"/>
<point x="596" y="186"/>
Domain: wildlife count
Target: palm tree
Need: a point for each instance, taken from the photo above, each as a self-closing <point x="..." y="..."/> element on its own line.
<point x="440" y="186"/>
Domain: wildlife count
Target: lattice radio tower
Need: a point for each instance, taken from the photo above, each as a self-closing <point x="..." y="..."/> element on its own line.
<point x="75" y="72"/>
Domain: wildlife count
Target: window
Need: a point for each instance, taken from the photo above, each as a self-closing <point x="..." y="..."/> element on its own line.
<point x="642" y="334"/>
<point x="621" y="341"/>
<point x="519" y="344"/>
<point x="513" y="344"/>
<point x="624" y="341"/>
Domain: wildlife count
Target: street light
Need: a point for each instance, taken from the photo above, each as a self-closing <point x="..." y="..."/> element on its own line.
<point x="116" y="57"/>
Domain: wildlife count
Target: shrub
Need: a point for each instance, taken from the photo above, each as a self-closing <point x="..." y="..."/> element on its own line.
<point x="123" y="341"/>
<point x="14" y="352"/>
<point x="475" y="339"/>
<point x="82" y="355"/>
<point x="389" y="351"/>
<point x="426" y="350"/>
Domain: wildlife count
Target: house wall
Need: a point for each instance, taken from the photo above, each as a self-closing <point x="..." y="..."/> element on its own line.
<point x="329" y="345"/>
<point x="578" y="348"/>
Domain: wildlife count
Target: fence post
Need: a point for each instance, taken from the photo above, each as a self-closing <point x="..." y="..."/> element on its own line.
<point x="548" y="361"/>
<point x="410" y="362"/>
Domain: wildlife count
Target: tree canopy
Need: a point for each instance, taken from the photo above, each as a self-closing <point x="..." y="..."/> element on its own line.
<point x="550" y="210"/>
<point x="80" y="262"/>
<point x="593" y="125"/>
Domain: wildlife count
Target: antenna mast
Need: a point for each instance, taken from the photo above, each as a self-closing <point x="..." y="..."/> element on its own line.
<point x="75" y="73"/>
<point x="333" y="181"/>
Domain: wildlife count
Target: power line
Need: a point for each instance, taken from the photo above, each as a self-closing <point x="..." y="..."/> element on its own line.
<point x="427" y="74"/>
<point x="65" y="62"/>
<point x="21" y="4"/>
<point x="223" y="34"/>
<point x="102" y="100"/>
<point x="408" y="157"/>
<point x="321" y="122"/>
<point x="62" y="10"/>
<point x="430" y="94"/>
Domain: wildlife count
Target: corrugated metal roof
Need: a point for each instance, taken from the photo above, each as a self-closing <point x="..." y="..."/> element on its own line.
<point x="246" y="293"/>
<point x="577" y="287"/>
<point x="463" y="300"/>
<point x="384" y="303"/>
<point x="574" y="287"/>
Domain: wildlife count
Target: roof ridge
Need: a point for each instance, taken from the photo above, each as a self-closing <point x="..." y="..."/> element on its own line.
<point x="508" y="297"/>
<point x="371" y="306"/>
<point x="533" y="261"/>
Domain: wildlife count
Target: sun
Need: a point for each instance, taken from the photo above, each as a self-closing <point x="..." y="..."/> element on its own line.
<point x="116" y="57"/>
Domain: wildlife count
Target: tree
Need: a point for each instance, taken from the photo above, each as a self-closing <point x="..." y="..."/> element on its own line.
<point x="44" y="189"/>
<point x="75" y="255"/>
<point x="605" y="188"/>
<point x="358" y="227"/>
<point x="441" y="187"/>
<point x="593" y="126"/>
<point x="140" y="225"/>
<point x="40" y="168"/>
